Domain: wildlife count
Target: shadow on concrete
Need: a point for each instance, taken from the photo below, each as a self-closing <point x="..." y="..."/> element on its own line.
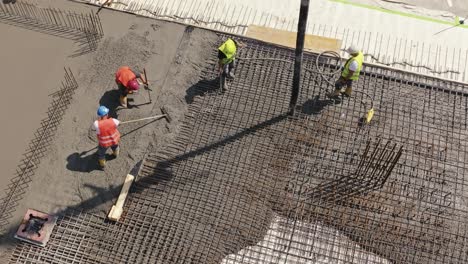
<point x="85" y="163"/>
<point x="201" y="88"/>
<point x="137" y="106"/>
<point x="100" y="196"/>
<point x="316" y="105"/>
<point x="110" y="99"/>
<point x="9" y="1"/>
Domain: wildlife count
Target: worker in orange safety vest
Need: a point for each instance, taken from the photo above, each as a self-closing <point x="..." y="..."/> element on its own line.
<point x="127" y="81"/>
<point x="107" y="134"/>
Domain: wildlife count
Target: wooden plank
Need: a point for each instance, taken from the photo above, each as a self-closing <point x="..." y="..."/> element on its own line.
<point x="287" y="38"/>
<point x="117" y="209"/>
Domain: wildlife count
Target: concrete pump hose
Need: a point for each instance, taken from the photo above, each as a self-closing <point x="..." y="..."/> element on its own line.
<point x="319" y="70"/>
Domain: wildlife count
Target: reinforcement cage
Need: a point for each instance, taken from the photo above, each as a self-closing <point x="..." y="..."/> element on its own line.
<point x="83" y="28"/>
<point x="244" y="182"/>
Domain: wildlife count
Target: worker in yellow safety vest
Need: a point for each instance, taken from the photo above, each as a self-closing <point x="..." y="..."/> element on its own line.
<point x="227" y="56"/>
<point x="350" y="73"/>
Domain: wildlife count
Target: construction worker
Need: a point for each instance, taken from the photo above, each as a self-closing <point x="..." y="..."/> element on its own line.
<point x="127" y="81"/>
<point x="227" y="56"/>
<point x="350" y="73"/>
<point x="107" y="134"/>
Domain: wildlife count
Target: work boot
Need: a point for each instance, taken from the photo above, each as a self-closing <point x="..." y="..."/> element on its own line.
<point x="102" y="163"/>
<point x="123" y="101"/>
<point x="348" y="91"/>
<point x="335" y="94"/>
<point x="116" y="152"/>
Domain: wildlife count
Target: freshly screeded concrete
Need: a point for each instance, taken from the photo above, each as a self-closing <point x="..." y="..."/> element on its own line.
<point x="234" y="178"/>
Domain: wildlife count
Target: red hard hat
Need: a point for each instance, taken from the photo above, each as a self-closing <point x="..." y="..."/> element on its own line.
<point x="133" y="85"/>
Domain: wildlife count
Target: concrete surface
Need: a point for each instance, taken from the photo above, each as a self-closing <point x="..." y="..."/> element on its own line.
<point x="31" y="70"/>
<point x="68" y="177"/>
<point x="398" y="35"/>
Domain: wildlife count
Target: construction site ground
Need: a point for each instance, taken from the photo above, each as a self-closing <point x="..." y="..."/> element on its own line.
<point x="235" y="177"/>
<point x="68" y="177"/>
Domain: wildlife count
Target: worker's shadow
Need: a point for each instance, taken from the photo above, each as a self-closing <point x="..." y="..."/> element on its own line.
<point x="201" y="88"/>
<point x="101" y="195"/>
<point x="316" y="105"/>
<point x="85" y="161"/>
<point x="110" y="99"/>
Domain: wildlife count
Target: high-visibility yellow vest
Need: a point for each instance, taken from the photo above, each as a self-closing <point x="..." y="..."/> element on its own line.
<point x="229" y="49"/>
<point x="359" y="59"/>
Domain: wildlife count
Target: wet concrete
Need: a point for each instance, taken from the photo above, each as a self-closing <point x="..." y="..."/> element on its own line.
<point x="68" y="176"/>
<point x="31" y="70"/>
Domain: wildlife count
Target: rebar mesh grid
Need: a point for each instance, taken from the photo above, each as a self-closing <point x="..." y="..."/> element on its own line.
<point x="85" y="29"/>
<point x="243" y="182"/>
<point x="37" y="149"/>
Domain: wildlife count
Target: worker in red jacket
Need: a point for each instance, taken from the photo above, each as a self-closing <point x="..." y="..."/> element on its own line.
<point x="127" y="80"/>
<point x="107" y="134"/>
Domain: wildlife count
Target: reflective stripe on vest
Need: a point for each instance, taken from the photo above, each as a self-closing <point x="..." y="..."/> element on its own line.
<point x="229" y="49"/>
<point x="359" y="59"/>
<point x="123" y="75"/>
<point x="108" y="133"/>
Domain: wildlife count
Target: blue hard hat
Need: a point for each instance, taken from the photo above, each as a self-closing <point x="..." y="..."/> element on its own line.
<point x="102" y="111"/>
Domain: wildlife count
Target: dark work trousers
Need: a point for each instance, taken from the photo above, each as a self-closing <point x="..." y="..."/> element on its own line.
<point x="102" y="151"/>
<point x="342" y="82"/>
<point x="227" y="68"/>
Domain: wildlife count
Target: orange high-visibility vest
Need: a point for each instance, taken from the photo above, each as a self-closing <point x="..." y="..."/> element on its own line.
<point x="124" y="75"/>
<point x="108" y="133"/>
